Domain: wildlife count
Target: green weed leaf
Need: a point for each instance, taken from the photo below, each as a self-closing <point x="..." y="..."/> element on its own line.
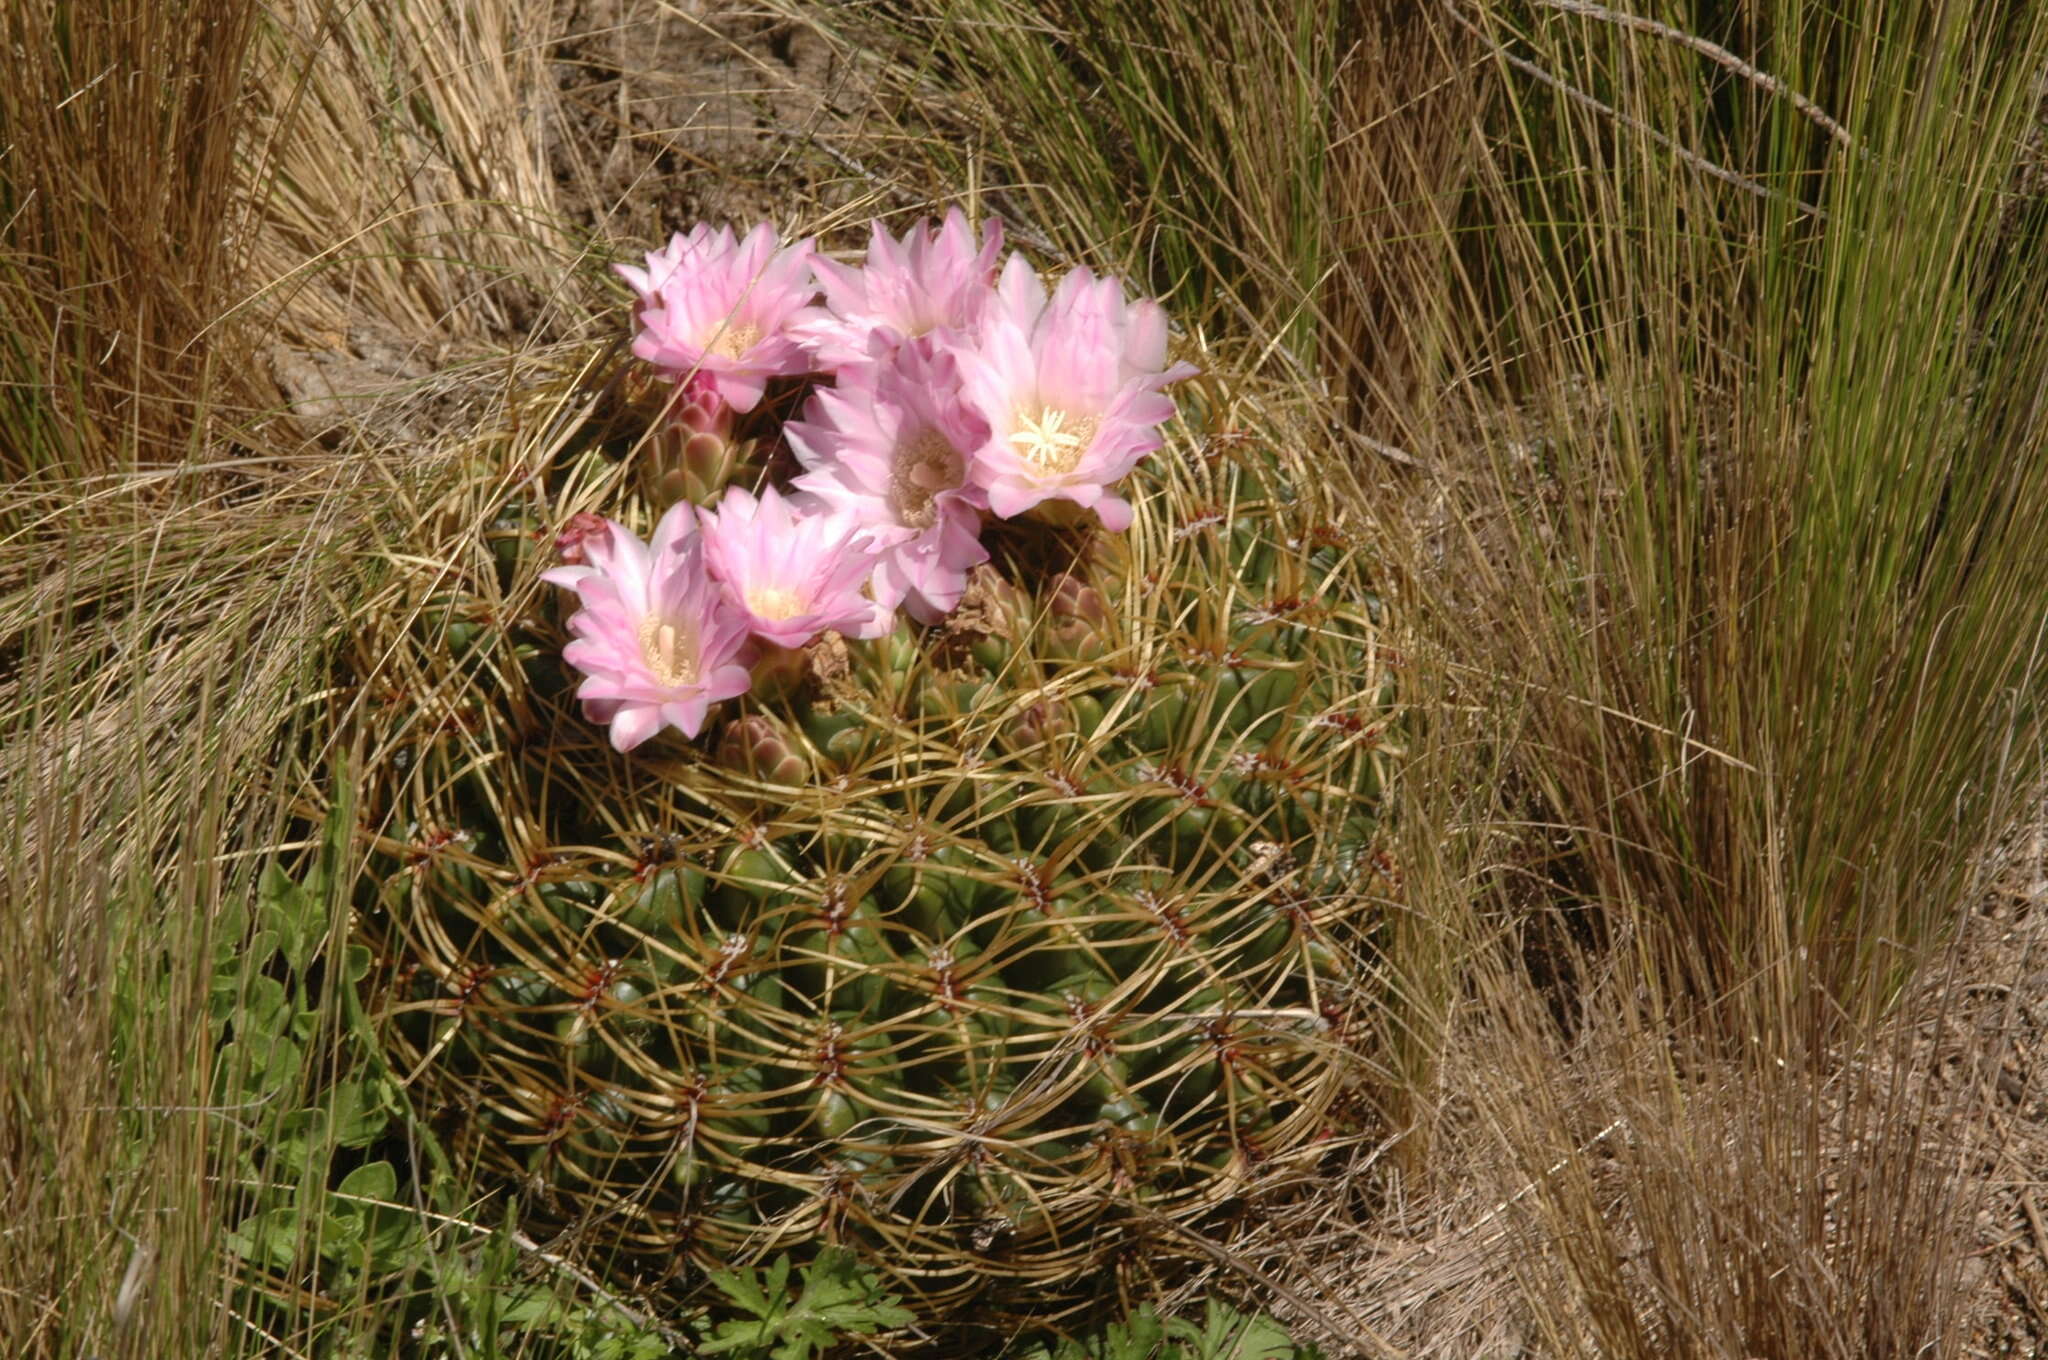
<point x="837" y="1301"/>
<point x="374" y="1181"/>
<point x="268" y="1238"/>
<point x="356" y="1115"/>
<point x="297" y="918"/>
<point x="1223" y="1334"/>
<point x="1226" y="1334"/>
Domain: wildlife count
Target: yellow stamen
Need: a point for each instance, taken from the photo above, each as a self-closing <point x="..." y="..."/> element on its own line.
<point x="1053" y="441"/>
<point x="734" y="340"/>
<point x="774" y="603"/>
<point x="670" y="651"/>
<point x="923" y="466"/>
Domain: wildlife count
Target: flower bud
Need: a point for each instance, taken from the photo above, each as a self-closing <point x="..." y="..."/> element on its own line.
<point x="688" y="465"/>
<point x="1078" y="618"/>
<point x="1038" y="724"/>
<point x="691" y="455"/>
<point x="778" y="671"/>
<point x="754" y="745"/>
<point x="584" y="541"/>
<point x="900" y="651"/>
<point x="700" y="409"/>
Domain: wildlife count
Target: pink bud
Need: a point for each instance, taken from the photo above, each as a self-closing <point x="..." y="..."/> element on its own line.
<point x="700" y="409"/>
<point x="1079" y="619"/>
<point x="754" y="745"/>
<point x="1038" y="724"/>
<point x="584" y="541"/>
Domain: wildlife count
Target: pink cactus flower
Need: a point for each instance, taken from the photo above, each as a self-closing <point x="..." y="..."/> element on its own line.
<point x="923" y="284"/>
<point x="725" y="310"/>
<point x="1070" y="389"/>
<point x="656" y="640"/>
<point x="792" y="567"/>
<point x="889" y="449"/>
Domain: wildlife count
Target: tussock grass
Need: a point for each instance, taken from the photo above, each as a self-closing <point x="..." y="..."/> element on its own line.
<point x="1758" y="540"/>
<point x="403" y="150"/>
<point x="1745" y="576"/>
<point x="1127" y="126"/>
<point x="1277" y="169"/>
<point x="139" y="685"/>
<point x="151" y="697"/>
<point x="118" y="207"/>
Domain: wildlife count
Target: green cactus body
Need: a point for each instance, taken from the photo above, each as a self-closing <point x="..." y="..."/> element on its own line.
<point x="1017" y="934"/>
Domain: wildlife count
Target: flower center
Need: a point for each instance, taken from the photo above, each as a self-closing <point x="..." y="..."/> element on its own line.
<point x="925" y="464"/>
<point x="1053" y="441"/>
<point x="774" y="603"/>
<point x="734" y="339"/>
<point x="670" y="651"/>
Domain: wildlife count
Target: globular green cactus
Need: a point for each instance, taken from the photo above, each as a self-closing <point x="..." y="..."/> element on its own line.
<point x="978" y="948"/>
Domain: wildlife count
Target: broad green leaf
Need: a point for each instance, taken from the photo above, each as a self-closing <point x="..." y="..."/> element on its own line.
<point x="837" y="1301"/>
<point x="1226" y="1334"/>
<point x="373" y="1180"/>
<point x="230" y="924"/>
<point x="270" y="1237"/>
<point x="298" y="917"/>
<point x="356" y="1114"/>
<point x="264" y="1008"/>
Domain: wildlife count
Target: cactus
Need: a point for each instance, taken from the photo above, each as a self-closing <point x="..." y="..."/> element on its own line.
<point x="973" y="946"/>
<point x="963" y="954"/>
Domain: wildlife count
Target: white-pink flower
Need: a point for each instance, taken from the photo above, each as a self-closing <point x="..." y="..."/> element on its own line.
<point x="792" y="567"/>
<point x="656" y="640"/>
<point x="725" y="310"/>
<point x="1070" y="389"/>
<point x="889" y="449"/>
<point x="924" y="284"/>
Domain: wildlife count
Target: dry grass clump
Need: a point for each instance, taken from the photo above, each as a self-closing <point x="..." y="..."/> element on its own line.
<point x="118" y="213"/>
<point x="403" y="152"/>
<point x="1682" y="1201"/>
<point x="1632" y="1191"/>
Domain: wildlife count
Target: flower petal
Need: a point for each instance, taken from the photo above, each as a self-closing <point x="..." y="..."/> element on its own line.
<point x="633" y="724"/>
<point x="1114" y="512"/>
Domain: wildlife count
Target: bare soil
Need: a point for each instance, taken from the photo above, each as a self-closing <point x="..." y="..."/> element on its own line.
<point x="1997" y="1035"/>
<point x="672" y="113"/>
